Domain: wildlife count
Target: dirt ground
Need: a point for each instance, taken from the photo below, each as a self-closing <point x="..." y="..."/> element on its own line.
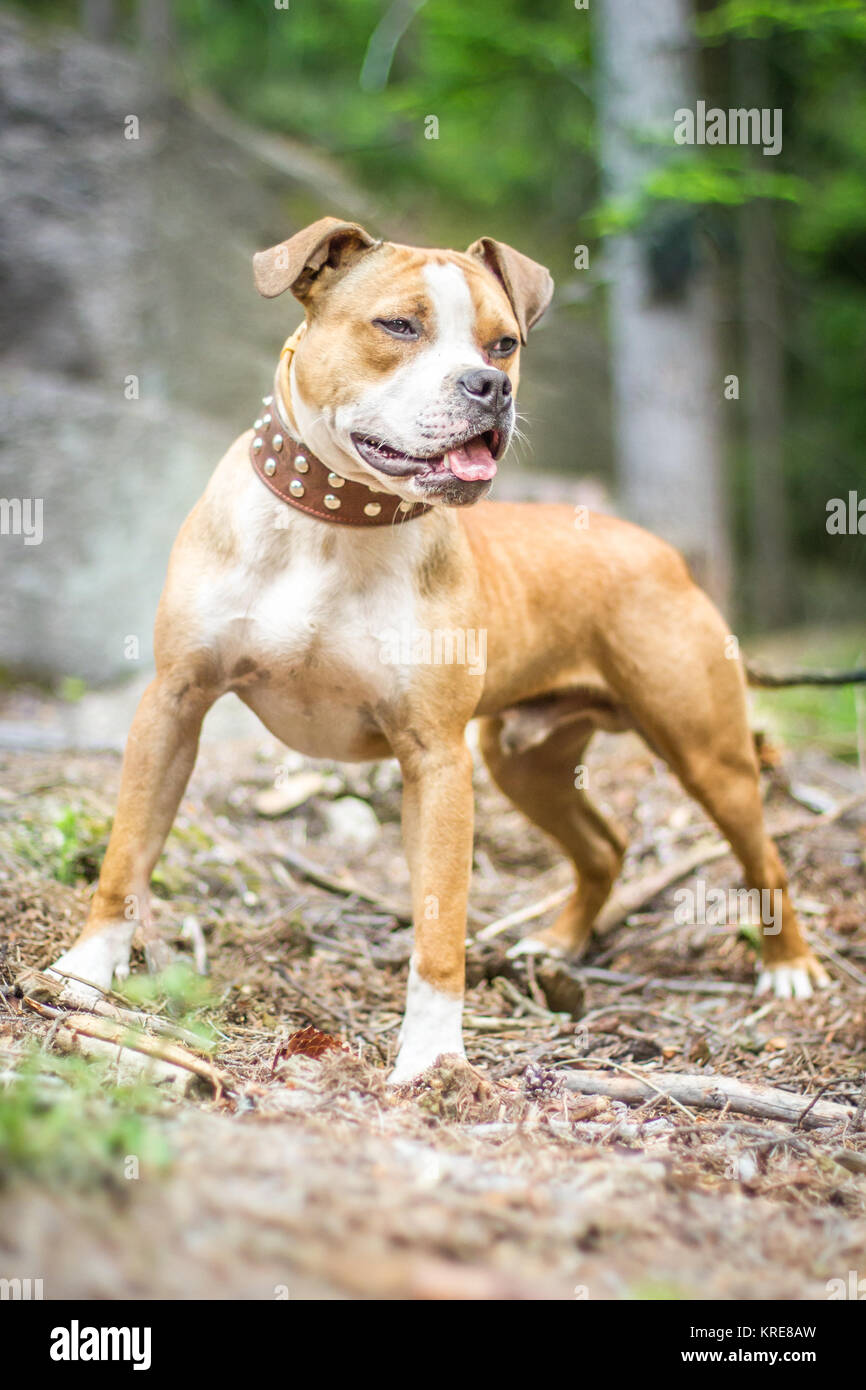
<point x="306" y="1176"/>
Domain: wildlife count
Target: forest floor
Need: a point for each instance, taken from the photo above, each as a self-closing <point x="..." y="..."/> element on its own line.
<point x="298" y="1172"/>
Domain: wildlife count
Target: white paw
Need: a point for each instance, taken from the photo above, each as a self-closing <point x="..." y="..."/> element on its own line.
<point x="409" y="1065"/>
<point x="431" y="1029"/>
<point x="75" y="993"/>
<point x="794" y="980"/>
<point x="532" y="946"/>
<point x="89" y="966"/>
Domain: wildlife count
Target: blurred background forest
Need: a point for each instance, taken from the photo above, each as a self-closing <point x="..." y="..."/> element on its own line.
<point x="679" y="269"/>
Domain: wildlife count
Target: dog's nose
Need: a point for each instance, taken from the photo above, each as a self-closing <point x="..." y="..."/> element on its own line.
<point x="488" y="386"/>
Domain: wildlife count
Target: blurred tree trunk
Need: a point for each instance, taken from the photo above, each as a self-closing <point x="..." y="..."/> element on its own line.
<point x="155" y="28"/>
<point x="761" y="316"/>
<point x="667" y="384"/>
<point x="97" y="19"/>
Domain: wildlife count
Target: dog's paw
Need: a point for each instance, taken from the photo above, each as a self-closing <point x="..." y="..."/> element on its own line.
<point x="89" y="967"/>
<point x="412" y="1063"/>
<point x="535" y="946"/>
<point x="792" y="979"/>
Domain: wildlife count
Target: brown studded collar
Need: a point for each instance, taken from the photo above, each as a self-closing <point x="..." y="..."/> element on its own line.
<point x="291" y="471"/>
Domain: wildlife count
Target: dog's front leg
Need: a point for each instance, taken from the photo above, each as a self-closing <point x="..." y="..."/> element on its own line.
<point x="159" y="758"/>
<point x="437" y="833"/>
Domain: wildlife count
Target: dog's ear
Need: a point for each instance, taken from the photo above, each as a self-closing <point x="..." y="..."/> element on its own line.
<point x="300" y="263"/>
<point x="528" y="285"/>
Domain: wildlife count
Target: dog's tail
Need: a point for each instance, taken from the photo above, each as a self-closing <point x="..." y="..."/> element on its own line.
<point x="777" y="680"/>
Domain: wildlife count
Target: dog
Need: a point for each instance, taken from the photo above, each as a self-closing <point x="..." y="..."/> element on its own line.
<point x="355" y="506"/>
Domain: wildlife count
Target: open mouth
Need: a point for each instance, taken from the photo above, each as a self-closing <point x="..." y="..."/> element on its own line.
<point x="472" y="460"/>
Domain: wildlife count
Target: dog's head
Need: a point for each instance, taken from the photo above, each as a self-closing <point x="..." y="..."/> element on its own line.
<point x="406" y="374"/>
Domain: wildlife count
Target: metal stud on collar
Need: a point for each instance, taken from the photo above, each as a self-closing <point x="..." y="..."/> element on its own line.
<point x="335" y="480"/>
<point x="277" y="443"/>
<point x="270" y="467"/>
<point x="331" y="502"/>
<point x="372" y="508"/>
<point x="258" y="445"/>
<point x="301" y="465"/>
<point x="296" y="487"/>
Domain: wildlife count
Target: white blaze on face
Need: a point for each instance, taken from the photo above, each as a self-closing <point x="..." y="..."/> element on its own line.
<point x="419" y="409"/>
<point x="454" y="320"/>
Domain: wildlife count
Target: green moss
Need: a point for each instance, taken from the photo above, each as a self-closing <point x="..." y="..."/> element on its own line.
<point x="65" y="1122"/>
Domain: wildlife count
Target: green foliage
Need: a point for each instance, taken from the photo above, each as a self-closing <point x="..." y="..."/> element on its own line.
<point x="64" y="1121"/>
<point x="509" y="86"/>
<point x="72" y="689"/>
<point x="656" y="1291"/>
<point x="513" y="86"/>
<point x="69" y="849"/>
<point x="751" y="935"/>
<point x="178" y="993"/>
<point x="722" y="177"/>
<point x="810" y="716"/>
<point x="823" y="19"/>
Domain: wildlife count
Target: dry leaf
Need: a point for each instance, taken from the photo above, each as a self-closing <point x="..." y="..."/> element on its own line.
<point x="308" y="1042"/>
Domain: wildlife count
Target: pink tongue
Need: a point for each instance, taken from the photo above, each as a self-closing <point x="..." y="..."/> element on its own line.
<point x="472" y="461"/>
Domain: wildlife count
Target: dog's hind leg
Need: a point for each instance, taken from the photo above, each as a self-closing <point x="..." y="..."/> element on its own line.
<point x="721" y="773"/>
<point x="543" y="781"/>
<point x="691" y="706"/>
<point x="160" y="754"/>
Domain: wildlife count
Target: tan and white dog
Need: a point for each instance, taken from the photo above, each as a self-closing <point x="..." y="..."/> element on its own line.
<point x="401" y="386"/>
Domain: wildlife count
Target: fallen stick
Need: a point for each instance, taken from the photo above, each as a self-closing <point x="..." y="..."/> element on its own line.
<point x="119" y="1035"/>
<point x="633" y="896"/>
<point x="129" y="1066"/>
<point x="52" y="987"/>
<point x="822" y="949"/>
<point x="673" y="985"/>
<point x="524" y="914"/>
<point x="710" y="1093"/>
<point x="346" y="887"/>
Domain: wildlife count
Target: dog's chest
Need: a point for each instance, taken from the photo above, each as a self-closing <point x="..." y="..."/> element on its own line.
<point x="304" y="640"/>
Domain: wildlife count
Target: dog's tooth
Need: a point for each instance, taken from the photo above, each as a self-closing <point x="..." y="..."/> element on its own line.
<point x="372" y="508"/>
<point x="296" y="487"/>
<point x="335" y="480"/>
<point x="331" y="502"/>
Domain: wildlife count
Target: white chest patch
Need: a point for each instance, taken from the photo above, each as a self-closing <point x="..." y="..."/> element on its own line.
<point x="304" y="617"/>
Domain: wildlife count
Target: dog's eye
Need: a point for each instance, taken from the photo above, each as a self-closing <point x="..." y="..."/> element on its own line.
<point x="503" y="347"/>
<point x="398" y="328"/>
